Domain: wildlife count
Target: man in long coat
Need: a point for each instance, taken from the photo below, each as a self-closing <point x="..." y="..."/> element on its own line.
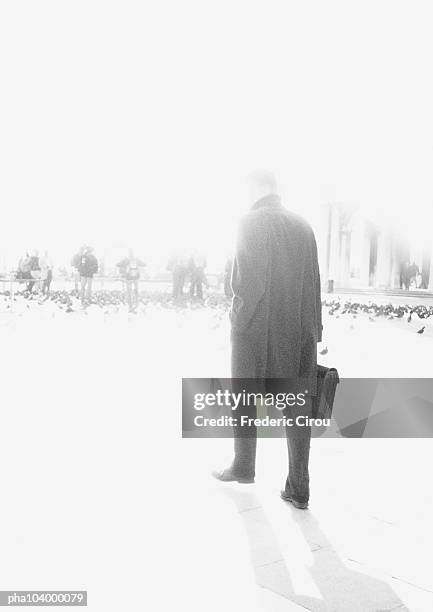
<point x="276" y="319"/>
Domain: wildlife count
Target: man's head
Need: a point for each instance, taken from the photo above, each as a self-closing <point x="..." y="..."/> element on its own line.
<point x="261" y="184"/>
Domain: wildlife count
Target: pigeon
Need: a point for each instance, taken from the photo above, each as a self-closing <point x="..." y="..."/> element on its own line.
<point x="421" y="331"/>
<point x="389" y="310"/>
<point x="324" y="351"/>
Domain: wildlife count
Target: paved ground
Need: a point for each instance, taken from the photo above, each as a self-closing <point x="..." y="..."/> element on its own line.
<point x="101" y="493"/>
<point x="364" y="544"/>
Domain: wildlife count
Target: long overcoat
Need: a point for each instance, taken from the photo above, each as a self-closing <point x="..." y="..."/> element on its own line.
<point x="276" y="309"/>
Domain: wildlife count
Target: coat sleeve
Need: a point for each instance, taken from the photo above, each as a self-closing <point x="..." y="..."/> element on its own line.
<point x="318" y="293"/>
<point x="248" y="273"/>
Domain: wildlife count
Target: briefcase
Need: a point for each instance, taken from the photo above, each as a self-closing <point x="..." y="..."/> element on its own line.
<point x="323" y="402"/>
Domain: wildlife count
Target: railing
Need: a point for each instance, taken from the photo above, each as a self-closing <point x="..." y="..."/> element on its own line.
<point x="99" y="283"/>
<point x="213" y="279"/>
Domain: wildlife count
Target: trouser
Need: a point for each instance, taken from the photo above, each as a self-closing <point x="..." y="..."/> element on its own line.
<point x="86" y="288"/>
<point x="298" y="447"/>
<point x="32" y="282"/>
<point x="47" y="282"/>
<point x="178" y="282"/>
<point x="196" y="287"/>
<point x="132" y="292"/>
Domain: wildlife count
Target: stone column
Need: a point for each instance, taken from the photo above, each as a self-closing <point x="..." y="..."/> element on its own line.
<point x="345" y="259"/>
<point x="430" y="280"/>
<point x="328" y="225"/>
<point x="365" y="258"/>
<point x="335" y="247"/>
<point x="395" y="264"/>
<point x="383" y="267"/>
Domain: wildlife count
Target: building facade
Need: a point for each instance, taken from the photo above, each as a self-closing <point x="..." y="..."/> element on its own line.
<point x="357" y="253"/>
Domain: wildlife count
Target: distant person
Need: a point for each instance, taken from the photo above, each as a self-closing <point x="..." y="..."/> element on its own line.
<point x="197" y="265"/>
<point x="276" y="322"/>
<point x="23" y="272"/>
<point x="46" y="266"/>
<point x="178" y="265"/>
<point x="413" y="273"/>
<point x="35" y="271"/>
<point x="88" y="267"/>
<point x="75" y="265"/>
<point x="130" y="270"/>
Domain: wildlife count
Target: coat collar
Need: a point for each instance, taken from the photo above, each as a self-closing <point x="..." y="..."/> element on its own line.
<point x="270" y="200"/>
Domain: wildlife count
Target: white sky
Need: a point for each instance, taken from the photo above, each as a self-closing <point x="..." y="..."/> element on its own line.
<point x="138" y="121"/>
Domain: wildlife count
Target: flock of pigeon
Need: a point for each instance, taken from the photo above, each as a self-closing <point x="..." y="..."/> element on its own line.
<point x="109" y="301"/>
<point x="338" y="308"/>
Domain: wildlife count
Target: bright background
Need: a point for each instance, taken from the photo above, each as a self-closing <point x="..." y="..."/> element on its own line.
<point x="137" y="122"/>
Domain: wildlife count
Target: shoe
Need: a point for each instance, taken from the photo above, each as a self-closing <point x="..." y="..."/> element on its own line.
<point x="286" y="497"/>
<point x="228" y="476"/>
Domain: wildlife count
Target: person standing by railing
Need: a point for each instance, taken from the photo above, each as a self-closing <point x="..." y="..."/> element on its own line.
<point x="196" y="267"/>
<point x="23" y="272"/>
<point x="46" y="266"/>
<point x="35" y="271"/>
<point x="130" y="270"/>
<point x="88" y="267"/>
<point x="75" y="265"/>
<point x="178" y="266"/>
